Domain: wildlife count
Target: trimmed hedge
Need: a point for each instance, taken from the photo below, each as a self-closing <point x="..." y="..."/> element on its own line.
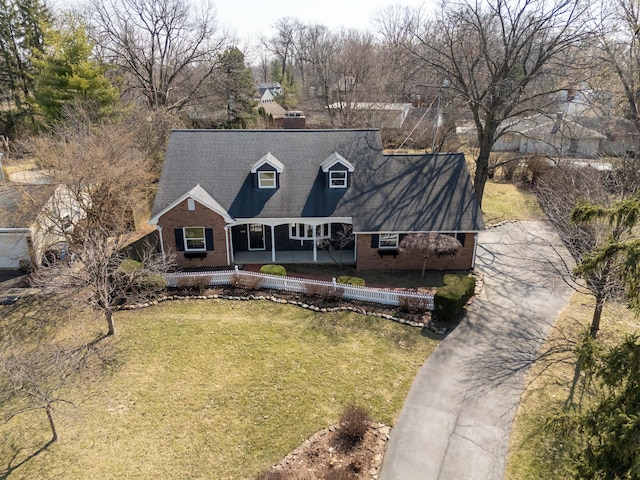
<point x="451" y="298"/>
<point x="355" y="281"/>
<point x="273" y="270"/>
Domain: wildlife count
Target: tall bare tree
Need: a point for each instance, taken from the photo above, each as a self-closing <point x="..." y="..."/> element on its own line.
<point x="500" y="57"/>
<point x="161" y="46"/>
<point x="619" y="48"/>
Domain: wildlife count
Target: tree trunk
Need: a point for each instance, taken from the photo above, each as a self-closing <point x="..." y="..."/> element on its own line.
<point x="424" y="265"/>
<point x="52" y="425"/>
<point x="482" y="173"/>
<point x="597" y="314"/>
<point x="110" y="325"/>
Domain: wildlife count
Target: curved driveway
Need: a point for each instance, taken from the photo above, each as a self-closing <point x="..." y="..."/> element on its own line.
<point x="456" y="421"/>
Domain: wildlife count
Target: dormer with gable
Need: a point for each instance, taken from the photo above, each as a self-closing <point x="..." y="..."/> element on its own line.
<point x="338" y="171"/>
<point x="267" y="172"/>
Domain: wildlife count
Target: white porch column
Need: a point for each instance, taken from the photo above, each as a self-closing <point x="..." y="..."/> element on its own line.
<point x="164" y="256"/>
<point x="273" y="244"/>
<point x="231" y="245"/>
<point x="315" y="244"/>
<point x="226" y="241"/>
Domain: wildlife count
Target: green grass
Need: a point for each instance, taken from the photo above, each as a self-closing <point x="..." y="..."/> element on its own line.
<point x="219" y="390"/>
<point x="533" y="453"/>
<point x="377" y="278"/>
<point x="506" y="202"/>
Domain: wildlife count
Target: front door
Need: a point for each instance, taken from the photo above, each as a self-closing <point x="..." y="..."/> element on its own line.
<point x="256" y="236"/>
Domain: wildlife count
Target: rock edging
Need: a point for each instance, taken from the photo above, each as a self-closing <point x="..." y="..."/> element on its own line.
<point x="307" y="306"/>
<point x="379" y="430"/>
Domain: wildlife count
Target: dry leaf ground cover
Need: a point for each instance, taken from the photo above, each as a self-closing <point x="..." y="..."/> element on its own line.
<point x="219" y="390"/>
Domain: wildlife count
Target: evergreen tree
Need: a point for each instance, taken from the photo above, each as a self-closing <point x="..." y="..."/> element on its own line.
<point x="236" y="86"/>
<point x="22" y="25"/>
<point x="611" y="427"/>
<point x="67" y="74"/>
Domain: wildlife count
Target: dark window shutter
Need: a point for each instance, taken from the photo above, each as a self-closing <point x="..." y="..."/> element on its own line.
<point x="461" y="237"/>
<point x="375" y="240"/>
<point x="208" y="238"/>
<point x="179" y="239"/>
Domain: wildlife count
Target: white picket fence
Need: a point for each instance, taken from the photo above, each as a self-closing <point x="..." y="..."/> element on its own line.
<point x="292" y="284"/>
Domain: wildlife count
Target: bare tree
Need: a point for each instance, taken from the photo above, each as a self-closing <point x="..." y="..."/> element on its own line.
<point x="342" y="238"/>
<point x="430" y="244"/>
<point x="103" y="171"/>
<point x="161" y="46"/>
<point x="285" y="43"/>
<point x="560" y="191"/>
<point x="501" y="58"/>
<point x="98" y="273"/>
<point x="620" y="50"/>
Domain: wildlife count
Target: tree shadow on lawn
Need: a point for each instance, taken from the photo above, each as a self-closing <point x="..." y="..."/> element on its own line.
<point x="5" y="472"/>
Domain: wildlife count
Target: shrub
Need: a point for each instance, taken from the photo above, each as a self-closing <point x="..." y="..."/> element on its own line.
<point x="413" y="304"/>
<point x="325" y="292"/>
<point x="451" y="298"/>
<point x="24" y="265"/>
<point x="354" y="424"/>
<point x="344" y="472"/>
<point x="273" y="270"/>
<point x="355" y="281"/>
<point x="196" y="283"/>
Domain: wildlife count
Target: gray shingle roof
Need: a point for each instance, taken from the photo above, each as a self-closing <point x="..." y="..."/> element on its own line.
<point x="388" y="193"/>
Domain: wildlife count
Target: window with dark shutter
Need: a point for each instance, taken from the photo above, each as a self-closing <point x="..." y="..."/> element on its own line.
<point x="375" y="240"/>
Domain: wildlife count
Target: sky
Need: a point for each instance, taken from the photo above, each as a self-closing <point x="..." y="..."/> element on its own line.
<point x="251" y="18"/>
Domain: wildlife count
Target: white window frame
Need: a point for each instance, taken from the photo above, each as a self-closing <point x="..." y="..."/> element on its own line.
<point x="267" y="183"/>
<point x="337" y="181"/>
<point x="391" y="241"/>
<point x="191" y="204"/>
<point x="187" y="248"/>
<point x="304" y="231"/>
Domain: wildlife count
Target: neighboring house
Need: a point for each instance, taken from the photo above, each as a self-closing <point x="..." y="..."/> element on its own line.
<point x="375" y="114"/>
<point x="277" y="196"/>
<point x="268" y="91"/>
<point x="34" y="219"/>
<point x="541" y="135"/>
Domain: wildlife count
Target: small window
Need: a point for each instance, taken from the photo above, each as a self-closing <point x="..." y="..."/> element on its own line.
<point x="388" y="240"/>
<point x="338" y="179"/>
<point x="304" y="231"/>
<point x="267" y="179"/>
<point x="194" y="239"/>
<point x="191" y="204"/>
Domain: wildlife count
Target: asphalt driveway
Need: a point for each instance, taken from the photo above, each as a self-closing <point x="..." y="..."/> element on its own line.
<point x="456" y="420"/>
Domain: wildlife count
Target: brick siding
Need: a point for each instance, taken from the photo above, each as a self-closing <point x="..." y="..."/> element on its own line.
<point x="180" y="216"/>
<point x="369" y="259"/>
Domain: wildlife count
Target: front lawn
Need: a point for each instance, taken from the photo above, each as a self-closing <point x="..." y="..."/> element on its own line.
<point x="218" y="390"/>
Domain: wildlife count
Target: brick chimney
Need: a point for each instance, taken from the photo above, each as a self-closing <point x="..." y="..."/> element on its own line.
<point x="294" y="120"/>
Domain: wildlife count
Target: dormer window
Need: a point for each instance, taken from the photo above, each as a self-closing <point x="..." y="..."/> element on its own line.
<point x="338" y="170"/>
<point x="267" y="171"/>
<point x="267" y="179"/>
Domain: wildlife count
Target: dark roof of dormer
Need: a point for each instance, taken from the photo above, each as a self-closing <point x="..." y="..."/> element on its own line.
<point x="388" y="192"/>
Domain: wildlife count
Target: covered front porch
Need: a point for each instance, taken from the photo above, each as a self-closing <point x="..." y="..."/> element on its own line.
<point x="295" y="256"/>
<point x="287" y="241"/>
